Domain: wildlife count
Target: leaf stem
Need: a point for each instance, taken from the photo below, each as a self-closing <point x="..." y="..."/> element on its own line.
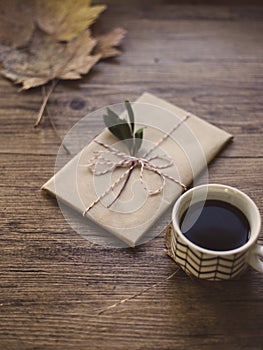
<point x="136" y="295"/>
<point x="44" y="103"/>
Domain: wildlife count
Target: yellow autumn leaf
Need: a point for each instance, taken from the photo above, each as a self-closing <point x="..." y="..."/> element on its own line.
<point x="66" y="19"/>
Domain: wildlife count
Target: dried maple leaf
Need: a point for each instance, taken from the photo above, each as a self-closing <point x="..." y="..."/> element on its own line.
<point x="61" y="49"/>
<point x="16" y="22"/>
<point x="47" y="59"/>
<point x="107" y="42"/>
<point x="66" y="19"/>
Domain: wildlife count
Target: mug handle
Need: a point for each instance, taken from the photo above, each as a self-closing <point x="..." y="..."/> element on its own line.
<point x="254" y="257"/>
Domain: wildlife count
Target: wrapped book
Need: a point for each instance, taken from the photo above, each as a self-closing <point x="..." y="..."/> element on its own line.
<point x="176" y="148"/>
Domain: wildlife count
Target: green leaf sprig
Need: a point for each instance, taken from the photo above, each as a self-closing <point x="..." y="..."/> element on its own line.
<point x="123" y="129"/>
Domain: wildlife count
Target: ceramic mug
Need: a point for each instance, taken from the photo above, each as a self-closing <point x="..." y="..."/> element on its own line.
<point x="209" y="264"/>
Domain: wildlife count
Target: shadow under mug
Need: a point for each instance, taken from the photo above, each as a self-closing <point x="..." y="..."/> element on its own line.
<point x="209" y="264"/>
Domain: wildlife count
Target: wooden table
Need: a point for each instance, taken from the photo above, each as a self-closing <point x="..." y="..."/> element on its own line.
<point x="206" y="58"/>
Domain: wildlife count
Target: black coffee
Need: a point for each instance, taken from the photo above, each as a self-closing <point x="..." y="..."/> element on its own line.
<point x="215" y="225"/>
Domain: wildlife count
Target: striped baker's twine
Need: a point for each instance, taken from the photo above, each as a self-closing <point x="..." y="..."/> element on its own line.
<point x="131" y="162"/>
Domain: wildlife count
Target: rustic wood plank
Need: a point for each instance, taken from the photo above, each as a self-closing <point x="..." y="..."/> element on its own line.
<point x="242" y="119"/>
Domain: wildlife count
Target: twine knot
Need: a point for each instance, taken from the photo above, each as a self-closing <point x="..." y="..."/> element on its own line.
<point x="125" y="160"/>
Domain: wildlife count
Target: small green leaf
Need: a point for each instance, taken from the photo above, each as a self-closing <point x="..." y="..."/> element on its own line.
<point x="118" y="127"/>
<point x="113" y="128"/>
<point x="131" y="114"/>
<point x="113" y="116"/>
<point x="139" y="133"/>
<point x="138" y="140"/>
<point x="125" y="130"/>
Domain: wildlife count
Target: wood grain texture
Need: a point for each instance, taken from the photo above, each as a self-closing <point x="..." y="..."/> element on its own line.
<point x="206" y="58"/>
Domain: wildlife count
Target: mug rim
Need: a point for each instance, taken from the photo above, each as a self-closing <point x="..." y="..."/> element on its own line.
<point x="248" y="244"/>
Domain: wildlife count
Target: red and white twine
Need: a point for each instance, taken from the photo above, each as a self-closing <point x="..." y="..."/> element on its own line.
<point x="131" y="162"/>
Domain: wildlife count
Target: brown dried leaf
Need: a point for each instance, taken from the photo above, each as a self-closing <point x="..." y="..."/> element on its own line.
<point x="107" y="42"/>
<point x="16" y="22"/>
<point x="47" y="59"/>
<point x="66" y="19"/>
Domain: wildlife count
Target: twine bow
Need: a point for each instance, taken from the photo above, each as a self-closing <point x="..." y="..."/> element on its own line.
<point x="131" y="162"/>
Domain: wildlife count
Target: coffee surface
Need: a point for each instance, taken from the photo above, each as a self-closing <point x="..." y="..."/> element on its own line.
<point x="215" y="225"/>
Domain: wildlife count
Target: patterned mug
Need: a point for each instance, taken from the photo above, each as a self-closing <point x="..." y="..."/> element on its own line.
<point x="210" y="264"/>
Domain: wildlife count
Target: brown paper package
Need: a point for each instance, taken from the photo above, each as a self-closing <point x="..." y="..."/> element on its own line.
<point x="192" y="146"/>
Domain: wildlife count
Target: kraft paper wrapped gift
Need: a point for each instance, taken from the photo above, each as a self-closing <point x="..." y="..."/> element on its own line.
<point x="192" y="145"/>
